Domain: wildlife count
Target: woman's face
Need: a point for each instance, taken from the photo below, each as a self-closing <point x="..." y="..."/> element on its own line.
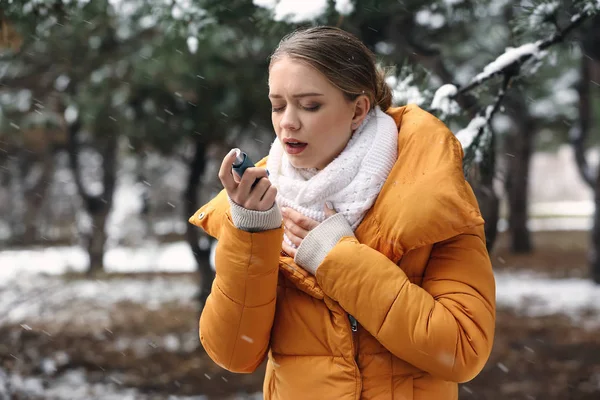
<point x="311" y="117"/>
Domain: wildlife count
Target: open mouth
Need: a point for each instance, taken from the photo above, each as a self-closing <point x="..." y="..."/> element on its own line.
<point x="296" y="144"/>
<point x="292" y="147"/>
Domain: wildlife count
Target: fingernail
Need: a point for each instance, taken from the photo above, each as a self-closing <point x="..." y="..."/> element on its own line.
<point x="283" y="210"/>
<point x="329" y="205"/>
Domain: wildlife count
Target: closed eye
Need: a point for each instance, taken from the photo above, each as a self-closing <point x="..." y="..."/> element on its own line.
<point x="313" y="108"/>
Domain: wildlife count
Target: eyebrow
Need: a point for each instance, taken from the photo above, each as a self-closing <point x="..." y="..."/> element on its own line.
<point x="277" y="96"/>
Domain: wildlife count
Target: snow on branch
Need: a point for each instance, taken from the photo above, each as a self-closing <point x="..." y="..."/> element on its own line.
<point x="405" y="90"/>
<point x="509" y="65"/>
<point x="591" y="7"/>
<point x="443" y="100"/>
<point x="542" y="13"/>
<point x="509" y="58"/>
<point x="514" y="58"/>
<point x="470" y="137"/>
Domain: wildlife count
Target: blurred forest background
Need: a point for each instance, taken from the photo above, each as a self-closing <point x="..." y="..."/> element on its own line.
<point x="115" y="115"/>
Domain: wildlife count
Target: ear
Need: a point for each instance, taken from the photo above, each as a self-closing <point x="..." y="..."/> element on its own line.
<point x="362" y="105"/>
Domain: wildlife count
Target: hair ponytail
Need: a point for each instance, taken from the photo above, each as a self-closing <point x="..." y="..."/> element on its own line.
<point x="383" y="93"/>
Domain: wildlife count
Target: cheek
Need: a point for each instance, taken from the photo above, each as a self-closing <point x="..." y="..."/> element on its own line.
<point x="275" y="122"/>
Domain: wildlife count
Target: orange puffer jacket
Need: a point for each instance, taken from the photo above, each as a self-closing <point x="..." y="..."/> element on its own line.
<point x="403" y="311"/>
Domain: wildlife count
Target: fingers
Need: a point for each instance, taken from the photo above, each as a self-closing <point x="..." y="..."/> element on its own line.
<point x="299" y="219"/>
<point x="236" y="177"/>
<point x="288" y="249"/>
<point x="252" y="191"/>
<point x="225" y="173"/>
<point x="255" y="200"/>
<point x="250" y="176"/>
<point x="268" y="198"/>
<point x="295" y="232"/>
<point x="293" y="238"/>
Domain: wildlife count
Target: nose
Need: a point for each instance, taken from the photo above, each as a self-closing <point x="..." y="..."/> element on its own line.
<point x="289" y="121"/>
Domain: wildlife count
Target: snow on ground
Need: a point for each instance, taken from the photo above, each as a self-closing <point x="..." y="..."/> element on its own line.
<point x="536" y="295"/>
<point x="74" y="385"/>
<point x="71" y="385"/>
<point x="174" y="257"/>
<point x="51" y="298"/>
<point x="177" y="257"/>
<point x="42" y="299"/>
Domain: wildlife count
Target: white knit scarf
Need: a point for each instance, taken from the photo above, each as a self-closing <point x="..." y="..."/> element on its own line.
<point x="351" y="182"/>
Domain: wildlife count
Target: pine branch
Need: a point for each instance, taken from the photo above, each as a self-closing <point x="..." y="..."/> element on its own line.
<point x="510" y="69"/>
<point x="557" y="37"/>
<point x="488" y="115"/>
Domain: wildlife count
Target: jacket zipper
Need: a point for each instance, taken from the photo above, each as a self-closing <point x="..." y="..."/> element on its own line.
<point x="354" y="330"/>
<point x="353" y="323"/>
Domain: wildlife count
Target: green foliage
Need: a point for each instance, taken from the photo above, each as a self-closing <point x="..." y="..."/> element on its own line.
<point x="160" y="73"/>
<point x="165" y="72"/>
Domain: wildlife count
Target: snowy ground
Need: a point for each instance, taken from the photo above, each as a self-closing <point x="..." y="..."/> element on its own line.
<point x="38" y="292"/>
<point x="74" y="385"/>
<point x="53" y="299"/>
<point x="31" y="286"/>
<point x="535" y="295"/>
<point x="175" y="257"/>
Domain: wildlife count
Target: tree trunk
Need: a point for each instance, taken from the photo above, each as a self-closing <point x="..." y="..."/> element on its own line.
<point x="595" y="250"/>
<point x="482" y="181"/>
<point x="196" y="170"/>
<point x="589" y="63"/>
<point x="34" y="196"/>
<point x="519" y="148"/>
<point x="489" y="205"/>
<point x="579" y="135"/>
<point x="96" y="243"/>
<point x="97" y="206"/>
<point x="580" y="131"/>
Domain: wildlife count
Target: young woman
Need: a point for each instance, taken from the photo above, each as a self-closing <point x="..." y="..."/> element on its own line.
<point x="357" y="265"/>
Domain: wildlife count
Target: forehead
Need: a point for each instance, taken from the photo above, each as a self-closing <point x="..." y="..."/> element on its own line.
<point x="289" y="75"/>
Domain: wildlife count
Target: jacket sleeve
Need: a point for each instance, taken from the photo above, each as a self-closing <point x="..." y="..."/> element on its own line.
<point x="445" y="327"/>
<point x="236" y="321"/>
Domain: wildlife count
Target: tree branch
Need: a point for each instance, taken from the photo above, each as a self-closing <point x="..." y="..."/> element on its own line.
<point x="557" y="37"/>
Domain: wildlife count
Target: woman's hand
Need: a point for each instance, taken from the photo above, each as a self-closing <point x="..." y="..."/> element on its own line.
<point x="296" y="226"/>
<point x="260" y="196"/>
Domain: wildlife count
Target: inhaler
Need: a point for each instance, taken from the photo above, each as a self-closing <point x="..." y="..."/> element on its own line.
<point x="242" y="162"/>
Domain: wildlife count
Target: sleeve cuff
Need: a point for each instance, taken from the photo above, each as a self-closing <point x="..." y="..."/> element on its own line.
<point x="319" y="241"/>
<point x="255" y="221"/>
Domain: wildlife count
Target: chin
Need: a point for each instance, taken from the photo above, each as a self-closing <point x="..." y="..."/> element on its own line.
<point x="301" y="163"/>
